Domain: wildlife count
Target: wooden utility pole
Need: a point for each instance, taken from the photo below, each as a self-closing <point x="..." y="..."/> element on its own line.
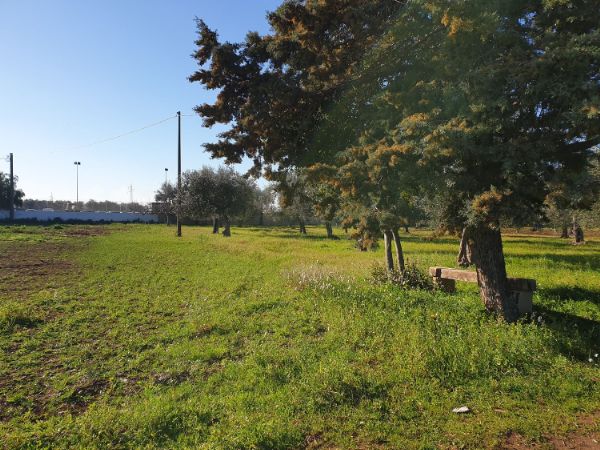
<point x="12" y="189"/>
<point x="178" y="173"/>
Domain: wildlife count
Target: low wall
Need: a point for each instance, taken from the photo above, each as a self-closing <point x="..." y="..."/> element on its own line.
<point x="79" y="216"/>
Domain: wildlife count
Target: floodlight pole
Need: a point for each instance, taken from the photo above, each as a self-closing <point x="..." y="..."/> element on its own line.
<point x="178" y="173"/>
<point x="77" y="164"/>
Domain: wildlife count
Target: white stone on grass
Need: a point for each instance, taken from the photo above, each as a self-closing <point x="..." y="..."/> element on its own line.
<point x="461" y="410"/>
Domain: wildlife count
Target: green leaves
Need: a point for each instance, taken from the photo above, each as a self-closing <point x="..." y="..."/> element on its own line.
<point x="275" y="91"/>
<point x="5" y="192"/>
<point x="208" y="192"/>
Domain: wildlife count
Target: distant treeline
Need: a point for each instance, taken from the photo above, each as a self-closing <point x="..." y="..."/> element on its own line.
<point x="221" y="196"/>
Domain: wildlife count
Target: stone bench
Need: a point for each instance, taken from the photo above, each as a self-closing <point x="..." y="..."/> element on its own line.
<point x="522" y="288"/>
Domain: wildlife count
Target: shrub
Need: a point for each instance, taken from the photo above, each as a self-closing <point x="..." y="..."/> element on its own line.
<point x="412" y="277"/>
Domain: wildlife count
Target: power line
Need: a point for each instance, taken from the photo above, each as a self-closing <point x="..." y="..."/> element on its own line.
<point x="113" y="138"/>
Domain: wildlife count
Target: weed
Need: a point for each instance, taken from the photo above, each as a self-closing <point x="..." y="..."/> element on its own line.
<point x="14" y="316"/>
<point x="412" y="277"/>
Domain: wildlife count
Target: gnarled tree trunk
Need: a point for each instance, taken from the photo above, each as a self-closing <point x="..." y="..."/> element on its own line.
<point x="215" y="225"/>
<point x="464" y="258"/>
<point x="487" y="254"/>
<point x="578" y="233"/>
<point x="389" y="259"/>
<point x="406" y="229"/>
<point x="399" y="252"/>
<point x="564" y="234"/>
<point x="226" y="226"/>
<point x="302" y="225"/>
<point x="329" y="229"/>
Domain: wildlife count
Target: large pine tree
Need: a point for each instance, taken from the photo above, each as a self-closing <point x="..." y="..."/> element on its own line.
<point x="275" y="91"/>
<point x="488" y="104"/>
<point x="500" y="102"/>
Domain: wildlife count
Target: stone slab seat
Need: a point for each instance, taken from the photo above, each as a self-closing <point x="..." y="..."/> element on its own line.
<point x="521" y="288"/>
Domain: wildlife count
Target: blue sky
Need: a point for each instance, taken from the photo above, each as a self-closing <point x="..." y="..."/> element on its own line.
<point x="76" y="72"/>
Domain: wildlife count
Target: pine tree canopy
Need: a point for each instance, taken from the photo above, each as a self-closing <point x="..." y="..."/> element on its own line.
<point x="499" y="100"/>
<point x="486" y="106"/>
<point x="275" y="90"/>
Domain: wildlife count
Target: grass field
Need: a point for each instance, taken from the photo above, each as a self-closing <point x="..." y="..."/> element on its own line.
<point x="125" y="336"/>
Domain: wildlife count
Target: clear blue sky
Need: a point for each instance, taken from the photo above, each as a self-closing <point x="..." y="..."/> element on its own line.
<point x="75" y="72"/>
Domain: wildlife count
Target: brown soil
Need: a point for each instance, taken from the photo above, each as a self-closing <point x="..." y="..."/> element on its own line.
<point x="24" y="266"/>
<point x="586" y="437"/>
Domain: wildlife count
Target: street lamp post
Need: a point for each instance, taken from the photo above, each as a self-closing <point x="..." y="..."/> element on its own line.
<point x="77" y="164"/>
<point x="166" y="175"/>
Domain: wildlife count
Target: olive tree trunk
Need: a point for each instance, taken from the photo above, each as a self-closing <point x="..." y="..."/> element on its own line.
<point x="487" y="254"/>
<point x="564" y="233"/>
<point x="329" y="229"/>
<point x="399" y="252"/>
<point x="464" y="258"/>
<point x="302" y="225"/>
<point x="226" y="226"/>
<point x="387" y="241"/>
<point x="578" y="233"/>
<point x="215" y="225"/>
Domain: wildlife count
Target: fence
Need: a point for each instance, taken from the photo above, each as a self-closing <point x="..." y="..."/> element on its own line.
<point x="78" y="216"/>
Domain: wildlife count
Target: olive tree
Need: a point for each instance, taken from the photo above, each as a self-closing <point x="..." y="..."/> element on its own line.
<point x="5" y="193"/>
<point x="220" y="194"/>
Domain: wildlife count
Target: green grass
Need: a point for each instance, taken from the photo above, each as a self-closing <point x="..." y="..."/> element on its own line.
<point x="271" y="340"/>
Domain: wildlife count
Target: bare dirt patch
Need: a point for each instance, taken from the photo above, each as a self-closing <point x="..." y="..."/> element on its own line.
<point x="24" y="266"/>
<point x="584" y="438"/>
<point x="28" y="265"/>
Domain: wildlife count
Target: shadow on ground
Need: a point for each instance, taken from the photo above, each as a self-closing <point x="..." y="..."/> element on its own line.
<point x="584" y="261"/>
<point x="577" y="337"/>
<point x="572" y="294"/>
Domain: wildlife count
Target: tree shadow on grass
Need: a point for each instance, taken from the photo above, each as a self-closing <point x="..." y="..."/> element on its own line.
<point x="312" y="237"/>
<point x="261" y="229"/>
<point x="541" y="242"/>
<point x="572" y="294"/>
<point x="448" y="240"/>
<point x="577" y="337"/>
<point x="536" y="241"/>
<point x="586" y="261"/>
<point x="293" y="233"/>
